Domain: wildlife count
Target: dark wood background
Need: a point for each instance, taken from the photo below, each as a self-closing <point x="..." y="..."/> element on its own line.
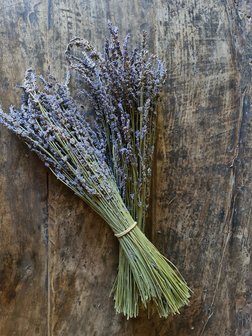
<point x="57" y="258"/>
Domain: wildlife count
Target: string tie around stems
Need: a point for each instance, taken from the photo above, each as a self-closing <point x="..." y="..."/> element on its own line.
<point x="126" y="231"/>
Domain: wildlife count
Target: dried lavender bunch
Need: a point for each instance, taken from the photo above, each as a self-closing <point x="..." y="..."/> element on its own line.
<point x="123" y="87"/>
<point x="51" y="125"/>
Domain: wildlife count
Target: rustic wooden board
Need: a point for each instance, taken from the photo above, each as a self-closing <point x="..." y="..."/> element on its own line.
<point x="205" y="160"/>
<point x="23" y="183"/>
<point x="58" y="282"/>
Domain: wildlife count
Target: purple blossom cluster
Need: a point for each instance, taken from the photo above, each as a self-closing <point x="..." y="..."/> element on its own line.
<point x="124" y="88"/>
<point x="51" y="125"/>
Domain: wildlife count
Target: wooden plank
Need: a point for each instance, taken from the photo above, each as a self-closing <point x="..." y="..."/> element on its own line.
<point x="203" y="210"/>
<point x="83" y="254"/>
<point x="23" y="182"/>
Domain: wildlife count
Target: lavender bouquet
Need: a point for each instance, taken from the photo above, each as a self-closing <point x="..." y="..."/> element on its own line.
<point x="107" y="161"/>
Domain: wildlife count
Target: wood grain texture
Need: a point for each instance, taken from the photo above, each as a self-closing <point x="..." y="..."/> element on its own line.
<point x="56" y="281"/>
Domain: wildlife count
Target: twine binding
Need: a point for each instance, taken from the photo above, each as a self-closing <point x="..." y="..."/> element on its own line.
<point x="123" y="233"/>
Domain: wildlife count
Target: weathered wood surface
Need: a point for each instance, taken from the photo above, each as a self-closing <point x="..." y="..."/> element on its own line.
<point x="23" y="185"/>
<point x="57" y="258"/>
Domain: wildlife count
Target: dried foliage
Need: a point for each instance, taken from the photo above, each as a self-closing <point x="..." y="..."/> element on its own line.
<point x="107" y="161"/>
